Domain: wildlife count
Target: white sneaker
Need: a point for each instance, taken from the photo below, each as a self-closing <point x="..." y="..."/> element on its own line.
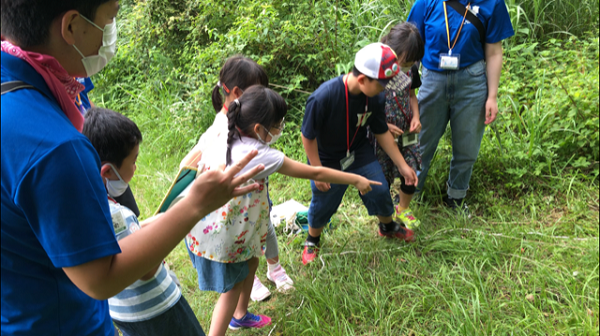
<point x="281" y="279"/>
<point x="259" y="291"/>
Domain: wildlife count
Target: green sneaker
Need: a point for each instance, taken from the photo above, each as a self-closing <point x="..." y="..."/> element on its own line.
<point x="408" y="219"/>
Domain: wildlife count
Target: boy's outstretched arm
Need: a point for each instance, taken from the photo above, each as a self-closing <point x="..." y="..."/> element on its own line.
<point x="140" y="252"/>
<point x="390" y="147"/>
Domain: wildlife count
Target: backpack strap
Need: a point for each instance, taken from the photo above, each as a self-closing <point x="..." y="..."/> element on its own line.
<point x="457" y="6"/>
<point x="19" y="85"/>
<point x="14" y="86"/>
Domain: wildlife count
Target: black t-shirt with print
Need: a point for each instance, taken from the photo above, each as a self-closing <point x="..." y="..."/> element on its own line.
<point x="325" y="120"/>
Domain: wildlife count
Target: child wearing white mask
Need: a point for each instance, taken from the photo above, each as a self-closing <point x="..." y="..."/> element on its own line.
<point x="238" y="74"/>
<point x="225" y="245"/>
<point x="153" y="305"/>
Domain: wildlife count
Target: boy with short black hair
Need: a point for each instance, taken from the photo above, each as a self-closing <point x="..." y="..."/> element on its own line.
<point x="152" y="305"/>
<point x="334" y="134"/>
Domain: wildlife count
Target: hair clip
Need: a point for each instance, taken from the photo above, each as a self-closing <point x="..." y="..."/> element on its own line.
<point x="225" y="88"/>
<point x="237" y="102"/>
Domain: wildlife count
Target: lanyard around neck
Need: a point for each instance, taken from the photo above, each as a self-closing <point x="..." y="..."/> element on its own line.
<point x="459" y="29"/>
<point x="407" y="119"/>
<point x="348" y="143"/>
<point x="78" y="100"/>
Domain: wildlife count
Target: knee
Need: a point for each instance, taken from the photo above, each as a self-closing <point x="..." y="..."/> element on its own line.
<point x="379" y="191"/>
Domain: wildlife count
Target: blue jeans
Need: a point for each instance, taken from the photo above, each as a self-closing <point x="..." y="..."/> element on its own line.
<point x="177" y="320"/>
<point x="324" y="204"/>
<point x="457" y="97"/>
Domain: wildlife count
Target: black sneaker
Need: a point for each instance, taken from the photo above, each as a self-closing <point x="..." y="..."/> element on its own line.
<point x="457" y="204"/>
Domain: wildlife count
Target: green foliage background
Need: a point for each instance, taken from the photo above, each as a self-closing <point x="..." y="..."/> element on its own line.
<point x="548" y="93"/>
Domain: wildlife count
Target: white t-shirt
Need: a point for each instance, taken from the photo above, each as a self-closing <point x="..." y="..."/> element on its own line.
<point x="219" y="127"/>
<point x="237" y="231"/>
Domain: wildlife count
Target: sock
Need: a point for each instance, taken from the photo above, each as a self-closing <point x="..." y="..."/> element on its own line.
<point x="273" y="266"/>
<point x="314" y="240"/>
<point x="400" y="209"/>
<point x="387" y="227"/>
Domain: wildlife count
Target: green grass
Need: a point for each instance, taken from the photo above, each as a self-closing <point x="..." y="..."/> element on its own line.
<point x="461" y="277"/>
<point x="500" y="273"/>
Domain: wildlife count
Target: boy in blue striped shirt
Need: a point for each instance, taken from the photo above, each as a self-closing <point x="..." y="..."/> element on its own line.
<point x="153" y="305"/>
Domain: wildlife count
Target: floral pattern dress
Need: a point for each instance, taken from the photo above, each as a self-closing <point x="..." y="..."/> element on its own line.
<point x="397" y="101"/>
<point x="236" y="232"/>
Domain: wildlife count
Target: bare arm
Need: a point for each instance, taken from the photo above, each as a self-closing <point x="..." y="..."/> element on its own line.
<point x="415" y="124"/>
<point x="389" y="146"/>
<point x="192" y="158"/>
<point x="311" y="147"/>
<point x="145" y="223"/>
<point x="312" y="151"/>
<point x="494" y="56"/>
<point x="143" y="250"/>
<point x="299" y="170"/>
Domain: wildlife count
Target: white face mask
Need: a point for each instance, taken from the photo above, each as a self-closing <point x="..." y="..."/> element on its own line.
<point x="274" y="138"/>
<point x="93" y="64"/>
<point x="118" y="187"/>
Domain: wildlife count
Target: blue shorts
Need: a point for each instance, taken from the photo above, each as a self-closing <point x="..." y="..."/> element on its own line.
<point x="378" y="201"/>
<point x="218" y="277"/>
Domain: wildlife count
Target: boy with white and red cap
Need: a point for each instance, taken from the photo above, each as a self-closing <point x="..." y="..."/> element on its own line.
<point x="334" y="134"/>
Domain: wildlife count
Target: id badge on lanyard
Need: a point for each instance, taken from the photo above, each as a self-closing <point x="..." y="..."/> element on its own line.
<point x="347" y="161"/>
<point x="451" y="61"/>
<point x="408" y="139"/>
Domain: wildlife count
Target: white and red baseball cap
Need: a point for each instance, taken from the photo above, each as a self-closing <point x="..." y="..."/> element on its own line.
<point x="377" y="61"/>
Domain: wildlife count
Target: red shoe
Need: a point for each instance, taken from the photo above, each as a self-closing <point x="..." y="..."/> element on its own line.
<point x="310" y="252"/>
<point x="399" y="232"/>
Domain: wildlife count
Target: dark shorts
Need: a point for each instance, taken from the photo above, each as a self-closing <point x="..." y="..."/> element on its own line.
<point x="218" y="277"/>
<point x="177" y="320"/>
<point x="378" y="201"/>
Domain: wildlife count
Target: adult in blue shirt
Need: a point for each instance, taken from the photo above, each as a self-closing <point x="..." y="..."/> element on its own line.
<point x="60" y="258"/>
<point x="461" y="74"/>
<point x="83" y="101"/>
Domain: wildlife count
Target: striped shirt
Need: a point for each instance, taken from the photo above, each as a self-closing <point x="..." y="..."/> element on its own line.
<point x="144" y="299"/>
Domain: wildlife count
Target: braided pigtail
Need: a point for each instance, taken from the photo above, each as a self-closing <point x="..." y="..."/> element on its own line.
<point x="232" y="115"/>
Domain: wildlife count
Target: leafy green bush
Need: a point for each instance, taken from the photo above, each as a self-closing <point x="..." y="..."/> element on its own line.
<point x="551" y="106"/>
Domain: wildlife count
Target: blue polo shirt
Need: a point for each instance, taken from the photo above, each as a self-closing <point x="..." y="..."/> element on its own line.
<point x="54" y="214"/>
<point x="325" y="120"/>
<point x="428" y="16"/>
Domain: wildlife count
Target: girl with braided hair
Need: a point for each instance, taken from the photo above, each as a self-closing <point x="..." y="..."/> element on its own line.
<point x="226" y="244"/>
<point x="237" y="74"/>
